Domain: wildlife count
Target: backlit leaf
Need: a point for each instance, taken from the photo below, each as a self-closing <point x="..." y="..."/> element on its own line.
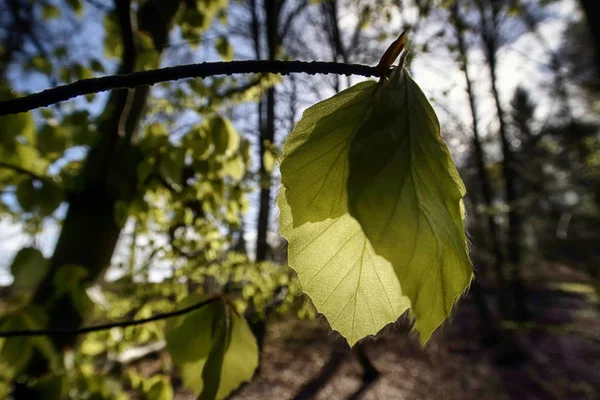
<point x="371" y="205"/>
<point x="405" y="192"/>
<point x="348" y="283"/>
<point x="224" y="136"/>
<point x="314" y="169"/>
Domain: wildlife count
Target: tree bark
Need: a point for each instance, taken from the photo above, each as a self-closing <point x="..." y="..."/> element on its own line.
<point x="90" y="230"/>
<point x="272" y="11"/>
<point x="591" y="9"/>
<point x="484" y="179"/>
<point x="490" y="38"/>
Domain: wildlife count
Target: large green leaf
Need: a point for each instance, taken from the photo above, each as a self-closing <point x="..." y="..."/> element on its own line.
<point x="314" y="168"/>
<point x="370" y="204"/>
<point x="405" y="192"/>
<point x="213" y="348"/>
<point x="348" y="283"/>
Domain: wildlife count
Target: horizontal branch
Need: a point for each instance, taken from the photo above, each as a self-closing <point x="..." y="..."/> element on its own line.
<point x="23" y="171"/>
<point x="95" y="85"/>
<point x="104" y="327"/>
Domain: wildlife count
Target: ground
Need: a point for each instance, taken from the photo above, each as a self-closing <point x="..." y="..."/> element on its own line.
<point x="562" y="343"/>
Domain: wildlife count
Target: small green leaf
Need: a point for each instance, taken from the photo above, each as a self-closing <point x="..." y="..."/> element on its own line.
<point x="27" y="195"/>
<point x="76" y="5"/>
<point x="50" y="11"/>
<point x="96" y="65"/>
<point x="224" y="49"/>
<point x="234" y="168"/>
<point x="28" y="268"/>
<point x="50" y="196"/>
<point x="189" y="337"/>
<point x="161" y="389"/>
<point x="171" y="165"/>
<point x="221" y="337"/>
<point x="213" y="348"/>
<point x="52" y="138"/>
<point x="224" y="136"/>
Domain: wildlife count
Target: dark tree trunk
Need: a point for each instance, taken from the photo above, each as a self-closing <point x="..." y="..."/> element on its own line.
<point x="272" y="11"/>
<point x="484" y="179"/>
<point x="90" y="230"/>
<point x="490" y="38"/>
<point x="591" y="8"/>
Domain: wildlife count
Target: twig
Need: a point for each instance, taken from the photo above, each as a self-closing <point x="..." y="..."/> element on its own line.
<point x="95" y="85"/>
<point x="23" y="171"/>
<point x="103" y="327"/>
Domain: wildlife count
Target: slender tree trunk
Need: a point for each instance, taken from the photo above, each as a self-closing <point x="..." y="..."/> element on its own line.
<point x="591" y="8"/>
<point x="490" y="36"/>
<point x="484" y="179"/>
<point x="272" y="10"/>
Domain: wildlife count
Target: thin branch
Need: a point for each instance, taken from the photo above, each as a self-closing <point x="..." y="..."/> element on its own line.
<point x="203" y="70"/>
<point x="23" y="171"/>
<point x="95" y="328"/>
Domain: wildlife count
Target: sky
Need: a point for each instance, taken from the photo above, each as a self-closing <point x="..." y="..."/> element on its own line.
<point x="522" y="62"/>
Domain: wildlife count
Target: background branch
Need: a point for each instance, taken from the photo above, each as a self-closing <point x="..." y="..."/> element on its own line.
<point x="103" y="327"/>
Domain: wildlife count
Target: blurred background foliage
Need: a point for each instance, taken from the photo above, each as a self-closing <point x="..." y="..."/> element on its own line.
<point x="125" y="204"/>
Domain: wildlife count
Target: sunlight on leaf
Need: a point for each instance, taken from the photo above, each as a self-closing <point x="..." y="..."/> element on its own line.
<point x="405" y="192"/>
<point x="314" y="168"/>
<point x="370" y="204"/>
<point x="348" y="283"/>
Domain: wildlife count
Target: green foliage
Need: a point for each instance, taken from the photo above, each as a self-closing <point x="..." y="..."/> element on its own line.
<point x="50" y="11"/>
<point x="17" y="351"/>
<point x="68" y="282"/>
<point x="213" y="348"/>
<point x="370" y="189"/>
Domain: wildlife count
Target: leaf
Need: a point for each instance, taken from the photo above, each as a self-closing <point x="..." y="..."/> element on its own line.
<point x="348" y="283"/>
<point x="314" y="167"/>
<point x="371" y="205"/>
<point x="50" y="197"/>
<point x="27" y="195"/>
<point x="161" y="389"/>
<point x="224" y="136"/>
<point x="213" y="348"/>
<point x="234" y="168"/>
<point x="221" y="336"/>
<point x="224" y="48"/>
<point x="405" y="192"/>
<point x="28" y="268"/>
<point x="50" y="11"/>
<point x="76" y="5"/>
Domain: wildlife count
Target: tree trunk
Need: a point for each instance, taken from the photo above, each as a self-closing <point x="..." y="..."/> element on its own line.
<point x="490" y="38"/>
<point x="90" y="230"/>
<point x="484" y="179"/>
<point x="591" y="8"/>
<point x="272" y="10"/>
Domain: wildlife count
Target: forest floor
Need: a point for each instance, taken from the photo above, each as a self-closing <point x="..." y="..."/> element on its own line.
<point x="562" y="344"/>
